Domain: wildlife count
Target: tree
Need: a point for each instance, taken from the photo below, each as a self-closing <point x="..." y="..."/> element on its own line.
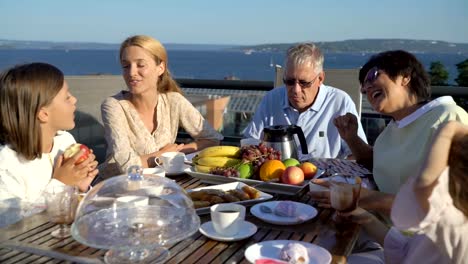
<point x="439" y="75"/>
<point x="462" y="78"/>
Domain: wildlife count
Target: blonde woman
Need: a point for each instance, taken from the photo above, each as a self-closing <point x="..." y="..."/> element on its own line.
<point x="142" y="123"/>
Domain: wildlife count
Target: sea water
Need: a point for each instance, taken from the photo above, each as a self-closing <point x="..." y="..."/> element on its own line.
<point x="206" y="64"/>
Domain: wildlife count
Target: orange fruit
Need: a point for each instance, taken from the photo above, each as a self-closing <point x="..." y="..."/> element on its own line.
<point x="271" y="170"/>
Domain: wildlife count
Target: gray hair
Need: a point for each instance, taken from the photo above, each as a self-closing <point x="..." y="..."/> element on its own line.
<point x="303" y="53"/>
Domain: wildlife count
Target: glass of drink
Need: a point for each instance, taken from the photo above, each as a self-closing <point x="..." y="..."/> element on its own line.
<point x="344" y="192"/>
<point x="61" y="202"/>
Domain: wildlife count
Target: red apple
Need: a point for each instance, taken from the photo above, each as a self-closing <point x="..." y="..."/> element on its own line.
<point x="73" y="149"/>
<point x="309" y="169"/>
<point x="292" y="175"/>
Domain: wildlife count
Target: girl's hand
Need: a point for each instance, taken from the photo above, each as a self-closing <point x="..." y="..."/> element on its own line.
<point x="70" y="174"/>
<point x="84" y="184"/>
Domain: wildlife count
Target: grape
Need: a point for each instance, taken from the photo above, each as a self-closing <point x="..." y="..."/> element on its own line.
<point x="257" y="155"/>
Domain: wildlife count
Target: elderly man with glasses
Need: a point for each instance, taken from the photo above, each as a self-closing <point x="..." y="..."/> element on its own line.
<point x="306" y="102"/>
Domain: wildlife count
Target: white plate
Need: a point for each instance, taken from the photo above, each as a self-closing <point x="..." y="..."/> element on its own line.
<point x="189" y="157"/>
<point x="272" y="249"/>
<point x="247" y="229"/>
<point x="230" y="186"/>
<point x="304" y="212"/>
<point x="270" y="187"/>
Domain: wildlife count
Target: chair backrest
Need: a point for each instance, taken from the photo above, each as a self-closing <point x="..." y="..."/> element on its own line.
<point x="90" y="91"/>
<point x="343" y="79"/>
<point x="278" y="76"/>
<point x="346" y="80"/>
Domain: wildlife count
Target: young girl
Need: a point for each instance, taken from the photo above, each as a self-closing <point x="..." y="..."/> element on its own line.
<point x="35" y="106"/>
<point x="433" y="207"/>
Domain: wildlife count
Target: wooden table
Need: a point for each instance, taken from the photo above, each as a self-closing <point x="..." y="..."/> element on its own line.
<point x="29" y="241"/>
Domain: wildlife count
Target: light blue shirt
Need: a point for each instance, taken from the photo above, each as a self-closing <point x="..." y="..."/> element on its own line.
<point x="323" y="139"/>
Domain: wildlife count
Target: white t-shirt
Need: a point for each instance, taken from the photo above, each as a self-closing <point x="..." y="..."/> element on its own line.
<point x="22" y="182"/>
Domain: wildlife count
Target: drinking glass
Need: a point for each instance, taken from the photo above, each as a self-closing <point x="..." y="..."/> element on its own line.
<point x="344" y="192"/>
<point x="61" y="202"/>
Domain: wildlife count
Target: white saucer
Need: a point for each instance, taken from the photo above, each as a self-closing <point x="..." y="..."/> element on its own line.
<point x="305" y="212"/>
<point x="247" y="229"/>
<point x="181" y="171"/>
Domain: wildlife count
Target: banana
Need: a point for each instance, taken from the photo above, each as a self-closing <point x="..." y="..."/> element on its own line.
<point x="217" y="161"/>
<point x="203" y="169"/>
<point x="220" y="151"/>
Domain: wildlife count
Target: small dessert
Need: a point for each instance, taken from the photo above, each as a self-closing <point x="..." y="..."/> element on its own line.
<point x="285" y="208"/>
<point x="294" y="253"/>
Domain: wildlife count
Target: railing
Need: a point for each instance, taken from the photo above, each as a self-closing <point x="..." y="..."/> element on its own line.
<point x="373" y="122"/>
<point x="91" y="90"/>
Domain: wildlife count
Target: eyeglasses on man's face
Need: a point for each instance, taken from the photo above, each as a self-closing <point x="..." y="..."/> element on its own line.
<point x="302" y="83"/>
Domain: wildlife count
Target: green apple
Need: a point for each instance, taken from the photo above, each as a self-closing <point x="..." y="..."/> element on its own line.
<point x="245" y="170"/>
<point x="291" y="162"/>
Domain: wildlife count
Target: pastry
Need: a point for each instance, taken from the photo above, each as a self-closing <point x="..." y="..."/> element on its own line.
<point x="294" y="253"/>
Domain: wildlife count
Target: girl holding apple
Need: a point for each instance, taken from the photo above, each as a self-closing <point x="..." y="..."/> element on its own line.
<point x="35" y="108"/>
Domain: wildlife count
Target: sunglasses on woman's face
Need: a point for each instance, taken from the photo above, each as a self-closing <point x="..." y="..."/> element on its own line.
<point x="371" y="76"/>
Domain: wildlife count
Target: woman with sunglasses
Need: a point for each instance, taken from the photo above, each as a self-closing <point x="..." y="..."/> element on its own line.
<point x="397" y="85"/>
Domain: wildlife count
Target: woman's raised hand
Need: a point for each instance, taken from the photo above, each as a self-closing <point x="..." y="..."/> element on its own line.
<point x="347" y="126"/>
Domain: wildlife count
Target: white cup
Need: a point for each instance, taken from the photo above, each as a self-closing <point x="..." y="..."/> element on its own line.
<point x="132" y="199"/>
<point x="172" y="162"/>
<point x="227" y="218"/>
<point x="155" y="171"/>
<point x="249" y="141"/>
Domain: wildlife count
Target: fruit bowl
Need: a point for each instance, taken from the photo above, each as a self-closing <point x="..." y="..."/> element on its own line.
<point x="270" y="187"/>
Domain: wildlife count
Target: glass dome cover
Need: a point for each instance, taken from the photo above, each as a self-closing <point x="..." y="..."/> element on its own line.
<point x="135" y="216"/>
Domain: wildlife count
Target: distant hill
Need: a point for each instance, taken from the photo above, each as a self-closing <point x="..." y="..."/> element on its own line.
<point x="372" y="46"/>
<point x="19" y="44"/>
<point x="345" y="46"/>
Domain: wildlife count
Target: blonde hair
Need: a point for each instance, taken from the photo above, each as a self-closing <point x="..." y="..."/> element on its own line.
<point x="157" y="50"/>
<point x="24" y="90"/>
<point x="458" y="173"/>
<point x="303" y="53"/>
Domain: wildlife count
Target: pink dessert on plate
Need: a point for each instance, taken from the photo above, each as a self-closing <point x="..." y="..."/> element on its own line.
<point x="285" y="208"/>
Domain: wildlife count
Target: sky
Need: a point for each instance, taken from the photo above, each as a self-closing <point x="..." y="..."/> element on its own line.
<point x="239" y="22"/>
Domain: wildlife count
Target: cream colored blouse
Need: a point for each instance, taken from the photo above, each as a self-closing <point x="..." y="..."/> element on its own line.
<point x="127" y="137"/>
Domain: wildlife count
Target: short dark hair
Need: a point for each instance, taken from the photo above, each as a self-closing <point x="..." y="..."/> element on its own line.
<point x="401" y="63"/>
<point x="24" y="90"/>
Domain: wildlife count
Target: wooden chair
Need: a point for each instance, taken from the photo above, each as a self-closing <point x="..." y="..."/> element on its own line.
<point x="346" y="80"/>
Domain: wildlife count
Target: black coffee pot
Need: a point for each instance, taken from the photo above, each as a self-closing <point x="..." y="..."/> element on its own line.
<point x="281" y="138"/>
